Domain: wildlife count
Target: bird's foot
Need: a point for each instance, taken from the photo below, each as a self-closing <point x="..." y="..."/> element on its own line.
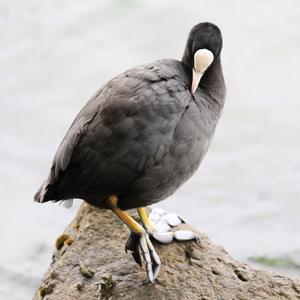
<point x="142" y="249"/>
<point x="162" y="224"/>
<point x="159" y="227"/>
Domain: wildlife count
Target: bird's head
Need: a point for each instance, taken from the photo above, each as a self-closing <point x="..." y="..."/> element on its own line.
<point x="203" y="47"/>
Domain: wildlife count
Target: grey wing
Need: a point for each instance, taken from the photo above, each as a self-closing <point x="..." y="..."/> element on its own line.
<point x="64" y="152"/>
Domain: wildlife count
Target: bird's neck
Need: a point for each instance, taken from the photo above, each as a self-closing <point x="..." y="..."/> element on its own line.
<point x="213" y="82"/>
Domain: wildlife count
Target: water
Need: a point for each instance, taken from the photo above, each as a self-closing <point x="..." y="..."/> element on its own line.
<point x="55" y="54"/>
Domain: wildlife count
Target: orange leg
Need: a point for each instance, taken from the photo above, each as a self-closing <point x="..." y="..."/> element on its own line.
<point x="143" y="243"/>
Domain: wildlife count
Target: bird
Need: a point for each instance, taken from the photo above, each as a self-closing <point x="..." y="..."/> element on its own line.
<point x="141" y="136"/>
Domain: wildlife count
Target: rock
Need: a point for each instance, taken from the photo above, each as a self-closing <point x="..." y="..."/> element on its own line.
<point x="95" y="266"/>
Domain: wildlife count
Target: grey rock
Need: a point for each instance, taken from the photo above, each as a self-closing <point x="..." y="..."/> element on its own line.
<point x="190" y="270"/>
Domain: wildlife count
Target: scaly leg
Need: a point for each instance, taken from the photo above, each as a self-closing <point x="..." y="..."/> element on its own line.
<point x="139" y="242"/>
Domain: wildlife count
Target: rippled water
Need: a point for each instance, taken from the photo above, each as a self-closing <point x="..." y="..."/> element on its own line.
<point x="55" y="54"/>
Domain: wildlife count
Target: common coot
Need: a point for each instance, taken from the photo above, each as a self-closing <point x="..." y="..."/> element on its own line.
<point x="141" y="136"/>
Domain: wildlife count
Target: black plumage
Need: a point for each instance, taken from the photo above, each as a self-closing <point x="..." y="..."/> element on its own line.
<point x="143" y="134"/>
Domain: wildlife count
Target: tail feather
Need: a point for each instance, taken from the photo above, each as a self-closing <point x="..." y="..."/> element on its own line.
<point x="44" y="193"/>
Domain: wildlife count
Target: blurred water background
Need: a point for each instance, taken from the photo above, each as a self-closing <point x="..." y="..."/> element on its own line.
<point x="54" y="54"/>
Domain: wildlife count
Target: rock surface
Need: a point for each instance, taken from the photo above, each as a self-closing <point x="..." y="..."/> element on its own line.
<point x="90" y="263"/>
